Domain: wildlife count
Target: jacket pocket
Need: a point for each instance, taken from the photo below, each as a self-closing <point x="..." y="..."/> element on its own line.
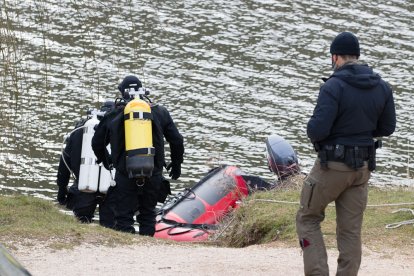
<point x="307" y="192"/>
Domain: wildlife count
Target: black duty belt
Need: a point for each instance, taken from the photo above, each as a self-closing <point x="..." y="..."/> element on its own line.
<point x="352" y="156"/>
<point x="339" y="153"/>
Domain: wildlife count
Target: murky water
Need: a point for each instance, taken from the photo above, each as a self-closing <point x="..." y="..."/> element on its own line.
<point x="230" y="72"/>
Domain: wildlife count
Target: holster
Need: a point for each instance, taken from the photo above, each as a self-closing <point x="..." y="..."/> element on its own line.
<point x="372" y="163"/>
<point x="323" y="158"/>
<point x="354" y="158"/>
<point x="322" y="154"/>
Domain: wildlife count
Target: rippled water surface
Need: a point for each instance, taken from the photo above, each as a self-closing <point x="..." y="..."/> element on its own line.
<point x="230" y="72"/>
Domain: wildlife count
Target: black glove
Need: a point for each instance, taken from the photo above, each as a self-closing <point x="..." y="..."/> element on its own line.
<point x="175" y="170"/>
<point x="164" y="191"/>
<point x="106" y="162"/>
<point x="62" y="195"/>
<point x="107" y="165"/>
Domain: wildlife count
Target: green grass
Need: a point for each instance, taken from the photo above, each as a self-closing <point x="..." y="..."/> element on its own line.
<point x="28" y="221"/>
<point x="260" y="222"/>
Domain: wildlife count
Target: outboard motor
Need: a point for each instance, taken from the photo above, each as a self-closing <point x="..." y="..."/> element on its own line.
<point x="281" y="158"/>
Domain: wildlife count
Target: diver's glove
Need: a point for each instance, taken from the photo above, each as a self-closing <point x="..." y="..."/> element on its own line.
<point x="106" y="162"/>
<point x="62" y="195"/>
<point x="175" y="170"/>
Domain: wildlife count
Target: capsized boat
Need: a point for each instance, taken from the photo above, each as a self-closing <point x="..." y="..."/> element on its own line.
<point x="194" y="214"/>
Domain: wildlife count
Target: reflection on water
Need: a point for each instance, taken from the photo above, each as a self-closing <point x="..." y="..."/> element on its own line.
<point x="230" y="72"/>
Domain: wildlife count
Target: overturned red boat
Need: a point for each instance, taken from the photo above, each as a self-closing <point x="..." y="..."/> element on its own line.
<point x="194" y="214"/>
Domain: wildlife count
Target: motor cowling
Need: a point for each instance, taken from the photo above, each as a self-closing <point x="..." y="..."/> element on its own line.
<point x="138" y="139"/>
<point x="281" y="158"/>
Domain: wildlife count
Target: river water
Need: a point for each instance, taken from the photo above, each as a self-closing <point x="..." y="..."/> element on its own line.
<point x="230" y="72"/>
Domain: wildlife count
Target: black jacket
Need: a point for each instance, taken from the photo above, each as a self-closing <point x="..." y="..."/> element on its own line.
<point x="72" y="155"/>
<point x="111" y="130"/>
<point x="354" y="105"/>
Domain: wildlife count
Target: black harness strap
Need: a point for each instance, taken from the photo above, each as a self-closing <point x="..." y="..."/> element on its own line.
<point x="149" y="151"/>
<point x="139" y="115"/>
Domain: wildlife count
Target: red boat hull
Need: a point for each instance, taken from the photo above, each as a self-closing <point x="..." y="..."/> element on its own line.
<point x="194" y="216"/>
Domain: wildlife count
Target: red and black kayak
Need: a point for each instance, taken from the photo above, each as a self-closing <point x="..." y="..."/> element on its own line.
<point x="194" y="214"/>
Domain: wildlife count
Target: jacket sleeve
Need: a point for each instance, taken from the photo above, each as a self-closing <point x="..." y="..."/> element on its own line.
<point x="387" y="120"/>
<point x="324" y="114"/>
<point x="174" y="138"/>
<point x="63" y="174"/>
<point x="100" y="140"/>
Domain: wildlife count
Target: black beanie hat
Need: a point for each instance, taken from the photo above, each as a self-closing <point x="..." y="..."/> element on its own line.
<point x="345" y="43"/>
<point x="107" y="106"/>
<point x="129" y="82"/>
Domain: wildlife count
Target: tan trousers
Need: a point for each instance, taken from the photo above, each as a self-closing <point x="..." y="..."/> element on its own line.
<point x="348" y="188"/>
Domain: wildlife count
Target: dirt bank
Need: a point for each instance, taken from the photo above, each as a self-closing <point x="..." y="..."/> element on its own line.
<point x="182" y="259"/>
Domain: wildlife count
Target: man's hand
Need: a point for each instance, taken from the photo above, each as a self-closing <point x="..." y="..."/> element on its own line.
<point x="175" y="170"/>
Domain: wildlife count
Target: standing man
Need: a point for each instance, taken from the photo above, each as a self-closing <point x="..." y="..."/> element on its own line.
<point x="82" y="204"/>
<point x="354" y="106"/>
<point x="129" y="194"/>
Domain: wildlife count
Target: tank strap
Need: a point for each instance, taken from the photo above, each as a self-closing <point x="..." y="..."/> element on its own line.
<point x="139" y="115"/>
<point x="88" y="161"/>
<point x="149" y="151"/>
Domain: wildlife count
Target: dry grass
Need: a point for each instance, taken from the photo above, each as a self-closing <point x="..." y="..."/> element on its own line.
<point x="27" y="221"/>
<point x="269" y="216"/>
<point x="263" y="218"/>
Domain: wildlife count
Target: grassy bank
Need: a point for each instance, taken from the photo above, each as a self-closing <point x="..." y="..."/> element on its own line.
<point x="260" y="219"/>
<point x="263" y="219"/>
<point x="27" y="220"/>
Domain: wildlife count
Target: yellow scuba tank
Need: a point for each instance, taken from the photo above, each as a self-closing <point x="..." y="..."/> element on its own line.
<point x="138" y="139"/>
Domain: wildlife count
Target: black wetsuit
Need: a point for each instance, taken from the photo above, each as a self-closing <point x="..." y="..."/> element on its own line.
<point x="129" y="196"/>
<point x="83" y="204"/>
